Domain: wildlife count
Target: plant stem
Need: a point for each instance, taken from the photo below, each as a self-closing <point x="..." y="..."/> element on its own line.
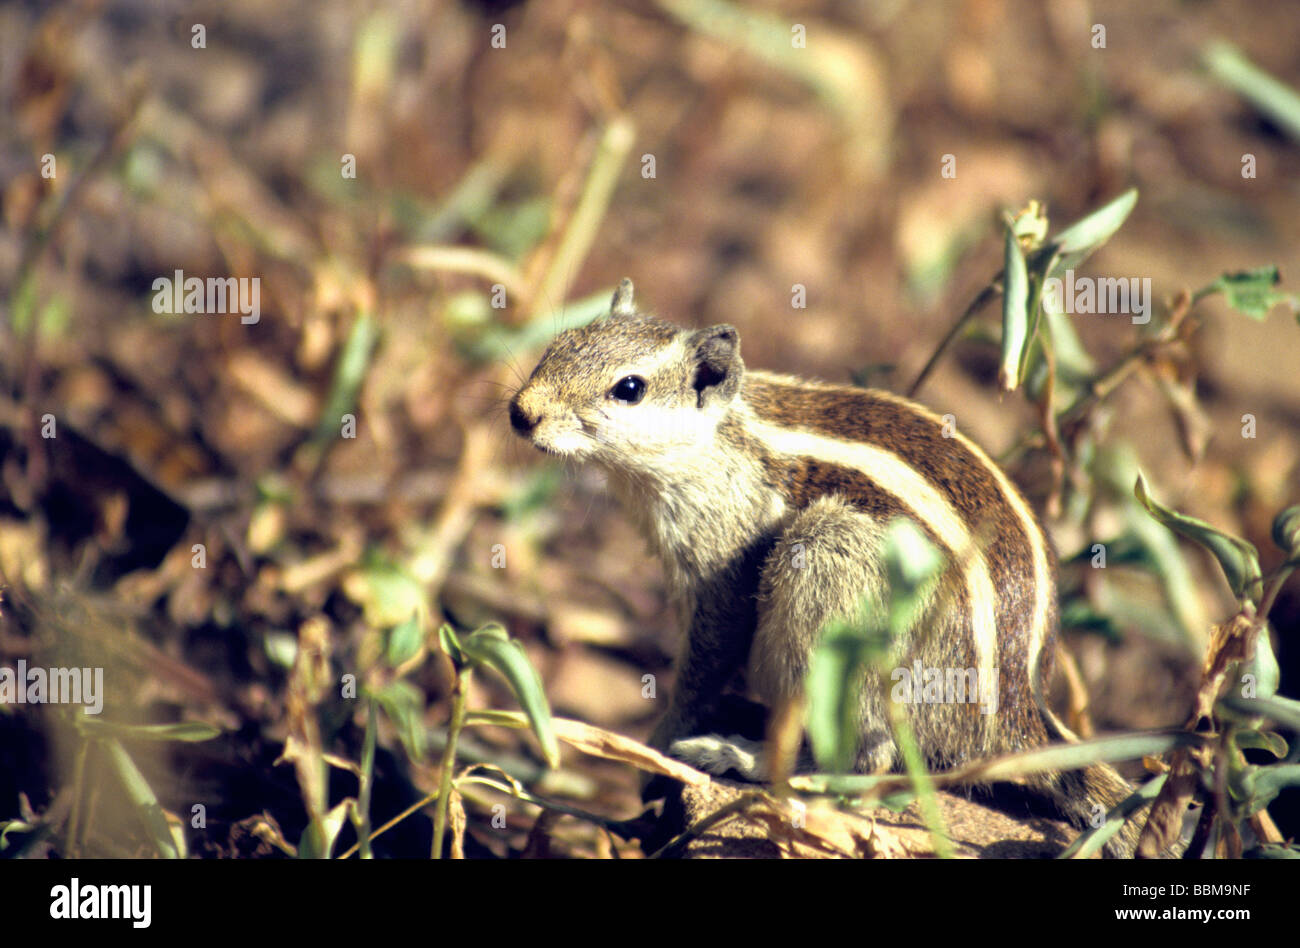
<point x="980" y="301"/>
<point x="1270" y="594"/>
<point x="72" y="846"/>
<point x="1103" y="385"/>
<point x="367" y="782"/>
<point x="921" y="782"/>
<point x="458" y="696"/>
<point x="580" y="232"/>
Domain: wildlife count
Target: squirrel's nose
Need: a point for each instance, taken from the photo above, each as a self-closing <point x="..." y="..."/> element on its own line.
<point x="519" y="419"/>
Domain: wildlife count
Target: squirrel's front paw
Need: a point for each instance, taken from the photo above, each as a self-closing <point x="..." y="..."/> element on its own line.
<point x="716" y="755"/>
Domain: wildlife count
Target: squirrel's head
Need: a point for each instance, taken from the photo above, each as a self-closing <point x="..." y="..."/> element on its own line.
<point x="630" y="391"/>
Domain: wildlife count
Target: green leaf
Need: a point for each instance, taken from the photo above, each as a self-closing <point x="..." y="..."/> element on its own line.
<point x="1125" y="549"/>
<point x="349" y="373"/>
<point x="1250" y="292"/>
<point x="496" y="718"/>
<point x="842" y="785"/>
<point x="1270" y="741"/>
<point x="491" y="646"/>
<point x="1077" y="242"/>
<point x="1081" y="616"/>
<point x="1015" y="312"/>
<point x="451" y="645"/>
<point x="1273" y="851"/>
<point x="850" y="648"/>
<point x="378" y="41"/>
<point x="142" y="798"/>
<point x="1286" y="534"/>
<point x="404" y="705"/>
<point x="1117" y="467"/>
<point x="1275" y="99"/>
<point x="388" y="594"/>
<point x="53" y="320"/>
<point x="281" y="648"/>
<point x="833" y="685"/>
<point x="497" y="343"/>
<point x="14" y="826"/>
<point x="912" y="566"/>
<point x="1263" y="665"/>
<point x="865" y="376"/>
<point x="188" y="731"/>
<point x="473" y="197"/>
<point x="1073" y="363"/>
<point x="535" y="492"/>
<point x="22" y="306"/>
<point x="1238" y="558"/>
<point x="317" y="841"/>
<point x="1263" y="784"/>
<point x="513" y="228"/>
<point x="468" y="310"/>
<point x="404" y="641"/>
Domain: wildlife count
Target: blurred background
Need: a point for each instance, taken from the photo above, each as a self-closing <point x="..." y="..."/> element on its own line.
<point x="425" y="192"/>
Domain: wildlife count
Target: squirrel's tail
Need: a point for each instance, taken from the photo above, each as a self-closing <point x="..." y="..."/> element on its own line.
<point x="1086" y="796"/>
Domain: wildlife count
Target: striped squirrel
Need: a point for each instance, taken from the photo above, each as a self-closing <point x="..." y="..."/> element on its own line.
<point x="733" y="474"/>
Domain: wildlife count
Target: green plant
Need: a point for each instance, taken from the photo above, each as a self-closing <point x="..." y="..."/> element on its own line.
<point x="1240" y="659"/>
<point x="106" y="740"/>
<point x="490" y="647"/>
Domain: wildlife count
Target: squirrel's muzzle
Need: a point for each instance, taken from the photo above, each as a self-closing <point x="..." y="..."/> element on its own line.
<point x="520" y="420"/>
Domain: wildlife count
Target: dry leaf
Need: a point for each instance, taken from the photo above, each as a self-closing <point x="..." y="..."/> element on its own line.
<point x="456" y="822"/>
<point x="601" y="743"/>
<point x="1232" y="641"/>
<point x="1165" y="822"/>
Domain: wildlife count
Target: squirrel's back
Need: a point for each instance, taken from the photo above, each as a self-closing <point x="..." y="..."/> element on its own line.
<point x="890" y="457"/>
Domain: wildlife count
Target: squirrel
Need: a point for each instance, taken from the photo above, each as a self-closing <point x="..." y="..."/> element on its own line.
<point x="767" y="498"/>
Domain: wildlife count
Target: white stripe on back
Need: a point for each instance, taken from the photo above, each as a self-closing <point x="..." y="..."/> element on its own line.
<point x="895" y="476"/>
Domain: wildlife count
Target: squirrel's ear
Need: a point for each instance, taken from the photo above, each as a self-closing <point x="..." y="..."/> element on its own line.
<point x="621" y="305"/>
<point x="715" y="355"/>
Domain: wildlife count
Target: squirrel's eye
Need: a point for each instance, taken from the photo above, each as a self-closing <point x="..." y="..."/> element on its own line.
<point x="630" y="390"/>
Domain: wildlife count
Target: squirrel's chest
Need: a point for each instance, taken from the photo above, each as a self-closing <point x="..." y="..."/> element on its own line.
<point x="704" y="520"/>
